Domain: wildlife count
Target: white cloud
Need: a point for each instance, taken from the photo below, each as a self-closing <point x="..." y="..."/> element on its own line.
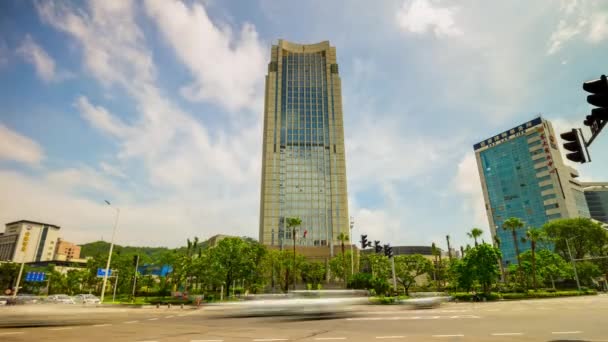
<point x="468" y="184"/>
<point x="586" y="18"/>
<point x="564" y="33"/>
<point x="421" y="16"/>
<point x="111" y="170"/>
<point x="598" y="27"/>
<point x="17" y="147"/>
<point x="192" y="182"/>
<point x="228" y="69"/>
<point x="40" y="59"/>
<point x="101" y="119"/>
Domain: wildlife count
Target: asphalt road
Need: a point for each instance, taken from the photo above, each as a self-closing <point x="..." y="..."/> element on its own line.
<point x="561" y="319"/>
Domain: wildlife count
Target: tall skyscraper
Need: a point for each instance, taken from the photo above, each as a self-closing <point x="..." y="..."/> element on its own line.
<point x="523" y="175"/>
<point x="596" y="194"/>
<point x="303" y="163"/>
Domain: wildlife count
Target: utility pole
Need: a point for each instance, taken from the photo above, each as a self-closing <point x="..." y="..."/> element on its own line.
<point x="24" y="244"/>
<point x="105" y="276"/>
<point x="352" y="258"/>
<point x="136" y="260"/>
<point x="578" y="284"/>
<point x="115" y="285"/>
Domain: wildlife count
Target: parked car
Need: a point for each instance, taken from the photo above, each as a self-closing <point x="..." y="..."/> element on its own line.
<point x="60" y="299"/>
<point x="86" y="299"/>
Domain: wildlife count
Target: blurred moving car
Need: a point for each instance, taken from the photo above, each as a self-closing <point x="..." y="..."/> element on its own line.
<point x="296" y="303"/>
<point x="424" y="302"/>
<point x="4" y="300"/>
<point x="86" y="299"/>
<point x="60" y="299"/>
<point x="26" y="299"/>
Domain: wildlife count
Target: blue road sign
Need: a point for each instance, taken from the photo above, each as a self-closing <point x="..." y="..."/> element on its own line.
<point x="35" y="276"/>
<point x="102" y="271"/>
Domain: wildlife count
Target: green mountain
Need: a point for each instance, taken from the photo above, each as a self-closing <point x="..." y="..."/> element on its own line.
<point x="101" y="248"/>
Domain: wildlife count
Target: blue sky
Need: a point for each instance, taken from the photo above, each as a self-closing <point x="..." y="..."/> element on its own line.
<point x="157" y="106"/>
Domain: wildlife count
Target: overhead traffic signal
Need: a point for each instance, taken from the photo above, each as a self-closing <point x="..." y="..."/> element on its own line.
<point x="364" y="242"/>
<point x="388" y="251"/>
<point x="575" y="143"/>
<point x="599" y="98"/>
<point x="378" y="247"/>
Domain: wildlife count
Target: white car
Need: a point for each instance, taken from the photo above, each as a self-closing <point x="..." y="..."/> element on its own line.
<point x="86" y="299"/>
<point x="61" y="299"/>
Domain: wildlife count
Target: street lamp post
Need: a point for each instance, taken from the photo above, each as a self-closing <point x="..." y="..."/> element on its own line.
<point x="578" y="284"/>
<point x="352" y="258"/>
<point x="105" y="276"/>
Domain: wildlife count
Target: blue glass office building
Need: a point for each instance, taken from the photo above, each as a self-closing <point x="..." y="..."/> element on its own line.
<point x="523" y="175"/>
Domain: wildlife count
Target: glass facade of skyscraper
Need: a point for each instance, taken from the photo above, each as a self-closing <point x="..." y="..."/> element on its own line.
<point x="303" y="172"/>
<point x="523" y="176"/>
<point x="596" y="195"/>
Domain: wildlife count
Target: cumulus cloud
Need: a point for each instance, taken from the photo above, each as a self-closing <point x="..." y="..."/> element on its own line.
<point x="190" y="180"/>
<point x="421" y="16"/>
<point x="17" y="147"/>
<point x="39" y="58"/>
<point x="579" y="18"/>
<point x="468" y="184"/>
<point x="220" y="61"/>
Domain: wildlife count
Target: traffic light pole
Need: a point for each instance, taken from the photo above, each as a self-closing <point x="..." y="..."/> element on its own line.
<point x="394" y="276"/>
<point x="19" y="277"/>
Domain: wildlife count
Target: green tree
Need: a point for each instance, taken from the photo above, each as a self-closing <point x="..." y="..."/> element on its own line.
<point x="380" y="266"/>
<point x="585" y="237"/>
<point x="587" y="272"/>
<point x="409" y="267"/>
<point x="447" y="239"/>
<point x="513" y="224"/>
<point x="474" y="234"/>
<point x="534" y="236"/>
<point x="549" y="266"/>
<point x="338" y="266"/>
<point x="479" y="265"/>
<point x="313" y="272"/>
<point x="230" y="260"/>
<point x="293" y="223"/>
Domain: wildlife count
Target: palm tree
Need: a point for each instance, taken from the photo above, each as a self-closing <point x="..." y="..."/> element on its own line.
<point x="502" y="267"/>
<point x="447" y="238"/>
<point x="461" y="252"/>
<point x="533" y="235"/>
<point x="293" y="222"/>
<point x="434" y="253"/>
<point x="512" y="224"/>
<point x="474" y="234"/>
<point x="343" y="237"/>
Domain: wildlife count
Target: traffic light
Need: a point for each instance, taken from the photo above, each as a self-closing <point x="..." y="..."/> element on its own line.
<point x="364" y="242"/>
<point x="576" y="145"/>
<point x="599" y="98"/>
<point x="388" y="251"/>
<point x="378" y="246"/>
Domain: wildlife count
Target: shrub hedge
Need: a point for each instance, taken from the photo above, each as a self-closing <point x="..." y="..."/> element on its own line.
<point x="466" y="296"/>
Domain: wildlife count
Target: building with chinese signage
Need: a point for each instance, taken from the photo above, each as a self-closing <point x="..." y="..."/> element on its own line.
<point x="523" y="175"/>
<point x="28" y="241"/>
<point x="303" y="163"/>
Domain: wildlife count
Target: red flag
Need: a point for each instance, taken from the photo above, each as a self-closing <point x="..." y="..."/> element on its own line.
<point x="305" y="232"/>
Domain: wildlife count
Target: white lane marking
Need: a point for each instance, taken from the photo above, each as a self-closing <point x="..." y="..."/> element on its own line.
<point x="170" y="316"/>
<point x="388" y="337"/>
<point x="402" y="318"/>
<point x="64" y="328"/>
<point x="182" y="315"/>
<point x="206" y="340"/>
<point x="329" y="338"/>
<point x="102" y="325"/>
<point x="453" y="335"/>
<point x="131" y="322"/>
<point x="152" y="319"/>
<point x="12" y="333"/>
<point x="565" y="332"/>
<point x="269" y="339"/>
<point x="507" y="334"/>
<point x="492" y="310"/>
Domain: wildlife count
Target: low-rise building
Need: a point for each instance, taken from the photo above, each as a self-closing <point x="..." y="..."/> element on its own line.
<point x="28" y="241"/>
<point x="66" y="250"/>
